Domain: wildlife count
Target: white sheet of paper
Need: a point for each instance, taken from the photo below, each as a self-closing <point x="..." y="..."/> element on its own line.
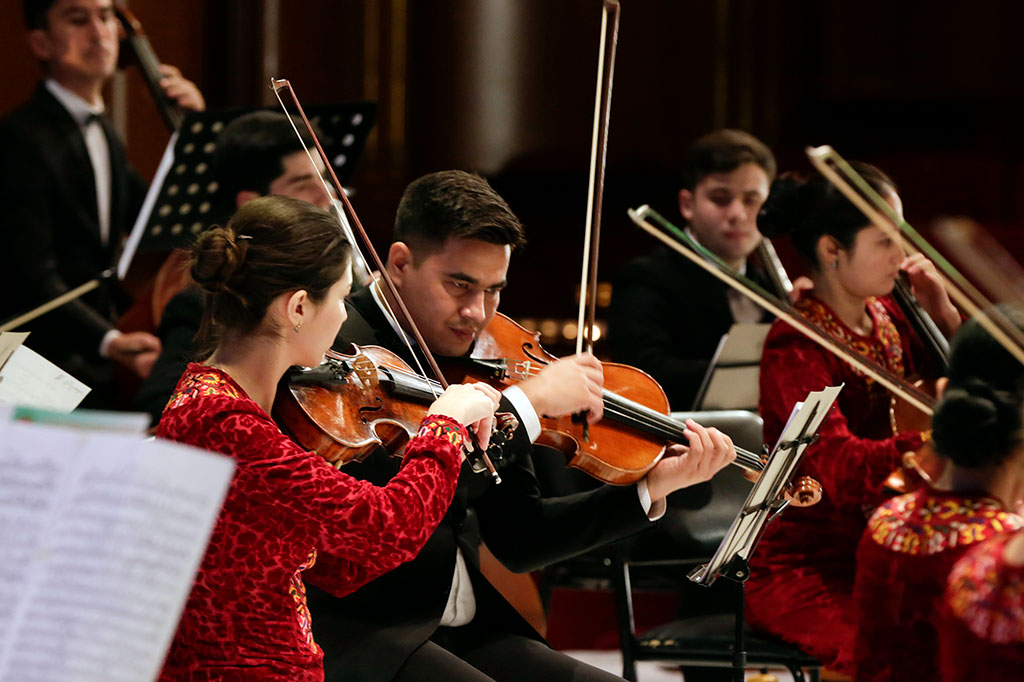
<point x="101" y="536"/>
<point x="30" y="379"/>
<point x="735" y="370"/>
<point x="743" y="343"/>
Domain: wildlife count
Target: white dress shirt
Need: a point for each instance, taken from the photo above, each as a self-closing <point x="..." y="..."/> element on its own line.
<point x="87" y="117"/>
<point x="461" y="606"/>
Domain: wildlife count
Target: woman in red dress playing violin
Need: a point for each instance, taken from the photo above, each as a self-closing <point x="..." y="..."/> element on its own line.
<point x="912" y="541"/>
<point x="275" y="279"/>
<point x="803" y="571"/>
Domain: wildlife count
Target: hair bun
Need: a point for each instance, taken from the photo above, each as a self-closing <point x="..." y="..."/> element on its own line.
<point x="782" y="213"/>
<point x="976" y="425"/>
<point x="218" y="259"/>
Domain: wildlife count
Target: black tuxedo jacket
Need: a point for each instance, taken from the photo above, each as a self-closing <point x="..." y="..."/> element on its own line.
<point x="50" y="230"/>
<point x="667" y="316"/>
<point x="369" y="634"/>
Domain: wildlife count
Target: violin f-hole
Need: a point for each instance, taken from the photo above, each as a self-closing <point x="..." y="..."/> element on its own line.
<point x="527" y="347"/>
<point x="370" y="408"/>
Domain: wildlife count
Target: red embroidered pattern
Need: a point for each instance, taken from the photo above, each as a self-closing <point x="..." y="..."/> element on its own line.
<point x="246" y="617"/>
<point x="987" y="595"/>
<point x="921" y="524"/>
<point x="444" y="427"/>
<point x="297" y="589"/>
<point x="883" y="347"/>
<point x="206" y="383"/>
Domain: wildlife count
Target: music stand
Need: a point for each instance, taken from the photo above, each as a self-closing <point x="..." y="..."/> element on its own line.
<point x="183" y="198"/>
<point x="765" y="501"/>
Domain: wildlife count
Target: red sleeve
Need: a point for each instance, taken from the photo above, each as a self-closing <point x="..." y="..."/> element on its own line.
<point x="851" y="469"/>
<point x="359" y="530"/>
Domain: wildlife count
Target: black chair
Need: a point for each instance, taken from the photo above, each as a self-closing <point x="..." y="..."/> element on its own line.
<point x="697" y="519"/>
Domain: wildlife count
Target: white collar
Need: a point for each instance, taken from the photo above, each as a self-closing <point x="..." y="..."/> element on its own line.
<point x="79" y="109"/>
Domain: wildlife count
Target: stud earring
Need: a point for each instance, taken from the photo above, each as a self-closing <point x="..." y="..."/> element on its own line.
<point x="297" y="327"/>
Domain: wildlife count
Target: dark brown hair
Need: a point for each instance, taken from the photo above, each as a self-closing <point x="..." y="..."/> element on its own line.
<point x="723" y="151"/>
<point x="35" y="13"/>
<point x="809" y="209"/>
<point x="271" y="246"/>
<point x="454" y="204"/>
<point x="978" y="421"/>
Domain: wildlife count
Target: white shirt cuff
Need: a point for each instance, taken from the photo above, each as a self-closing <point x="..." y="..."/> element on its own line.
<point x="654" y="510"/>
<point x="105" y="343"/>
<point x="527" y="415"/>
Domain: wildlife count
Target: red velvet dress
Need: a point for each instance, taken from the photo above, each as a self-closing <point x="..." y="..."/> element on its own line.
<point x="981" y="634"/>
<point x="289" y="514"/>
<point x="903" y="562"/>
<point x="801" y="583"/>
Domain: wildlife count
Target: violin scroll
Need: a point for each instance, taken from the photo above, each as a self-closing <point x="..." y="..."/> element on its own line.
<point x="803" y="492"/>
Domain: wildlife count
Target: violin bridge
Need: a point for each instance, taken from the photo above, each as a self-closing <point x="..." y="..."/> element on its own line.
<point x="520" y="371"/>
<point x="366" y="371"/>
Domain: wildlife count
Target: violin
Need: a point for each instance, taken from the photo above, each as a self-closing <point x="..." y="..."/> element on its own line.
<point x="927" y="464"/>
<point x="620" y="448"/>
<point x="352" y="404"/>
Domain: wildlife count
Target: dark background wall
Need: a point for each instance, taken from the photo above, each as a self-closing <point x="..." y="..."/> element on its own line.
<point x="929" y="90"/>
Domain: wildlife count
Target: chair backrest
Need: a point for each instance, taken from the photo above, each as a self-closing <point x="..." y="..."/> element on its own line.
<point x="699" y="517"/>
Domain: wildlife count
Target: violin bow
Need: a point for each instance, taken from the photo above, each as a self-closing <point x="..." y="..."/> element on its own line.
<point x="862" y="195"/>
<point x="282" y="84"/>
<point x="681" y="242"/>
<point x="586" y="323"/>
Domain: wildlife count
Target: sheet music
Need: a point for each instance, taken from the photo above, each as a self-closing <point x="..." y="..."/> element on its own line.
<point x="30" y="379"/>
<point x="101" y="536"/>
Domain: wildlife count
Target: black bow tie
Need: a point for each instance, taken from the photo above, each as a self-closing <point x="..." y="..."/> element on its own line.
<point x="92" y="118"/>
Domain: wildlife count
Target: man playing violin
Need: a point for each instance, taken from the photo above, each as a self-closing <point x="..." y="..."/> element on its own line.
<point x="69" y="194"/>
<point x="657" y="297"/>
<point x="438" y="617"/>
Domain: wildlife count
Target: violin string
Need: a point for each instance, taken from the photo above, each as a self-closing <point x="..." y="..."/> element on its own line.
<point x="389" y="313"/>
<point x="674" y="432"/>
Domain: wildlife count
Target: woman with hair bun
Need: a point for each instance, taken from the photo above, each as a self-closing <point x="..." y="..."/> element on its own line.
<point x="912" y="541"/>
<point x="275" y="280"/>
<point x="802" y="574"/>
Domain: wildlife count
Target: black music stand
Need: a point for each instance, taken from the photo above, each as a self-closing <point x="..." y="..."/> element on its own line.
<point x="184" y="197"/>
<point x="765" y="501"/>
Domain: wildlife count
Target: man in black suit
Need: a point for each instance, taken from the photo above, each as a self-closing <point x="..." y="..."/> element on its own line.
<point x="668" y="315"/>
<point x="437" y="617"/>
<point x="69" y="196"/>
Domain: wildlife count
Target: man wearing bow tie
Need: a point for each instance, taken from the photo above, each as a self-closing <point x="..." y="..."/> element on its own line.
<point x="69" y="195"/>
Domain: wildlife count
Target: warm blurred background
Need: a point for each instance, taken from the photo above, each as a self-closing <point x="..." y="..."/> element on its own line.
<point x="930" y="91"/>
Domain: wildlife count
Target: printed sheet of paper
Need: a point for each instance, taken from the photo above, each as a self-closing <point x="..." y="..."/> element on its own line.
<point x="732" y="379"/>
<point x="27" y="378"/>
<point x="101" y="536"/>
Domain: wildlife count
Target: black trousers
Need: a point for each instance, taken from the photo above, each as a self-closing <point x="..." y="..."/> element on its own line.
<point x="476" y="654"/>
